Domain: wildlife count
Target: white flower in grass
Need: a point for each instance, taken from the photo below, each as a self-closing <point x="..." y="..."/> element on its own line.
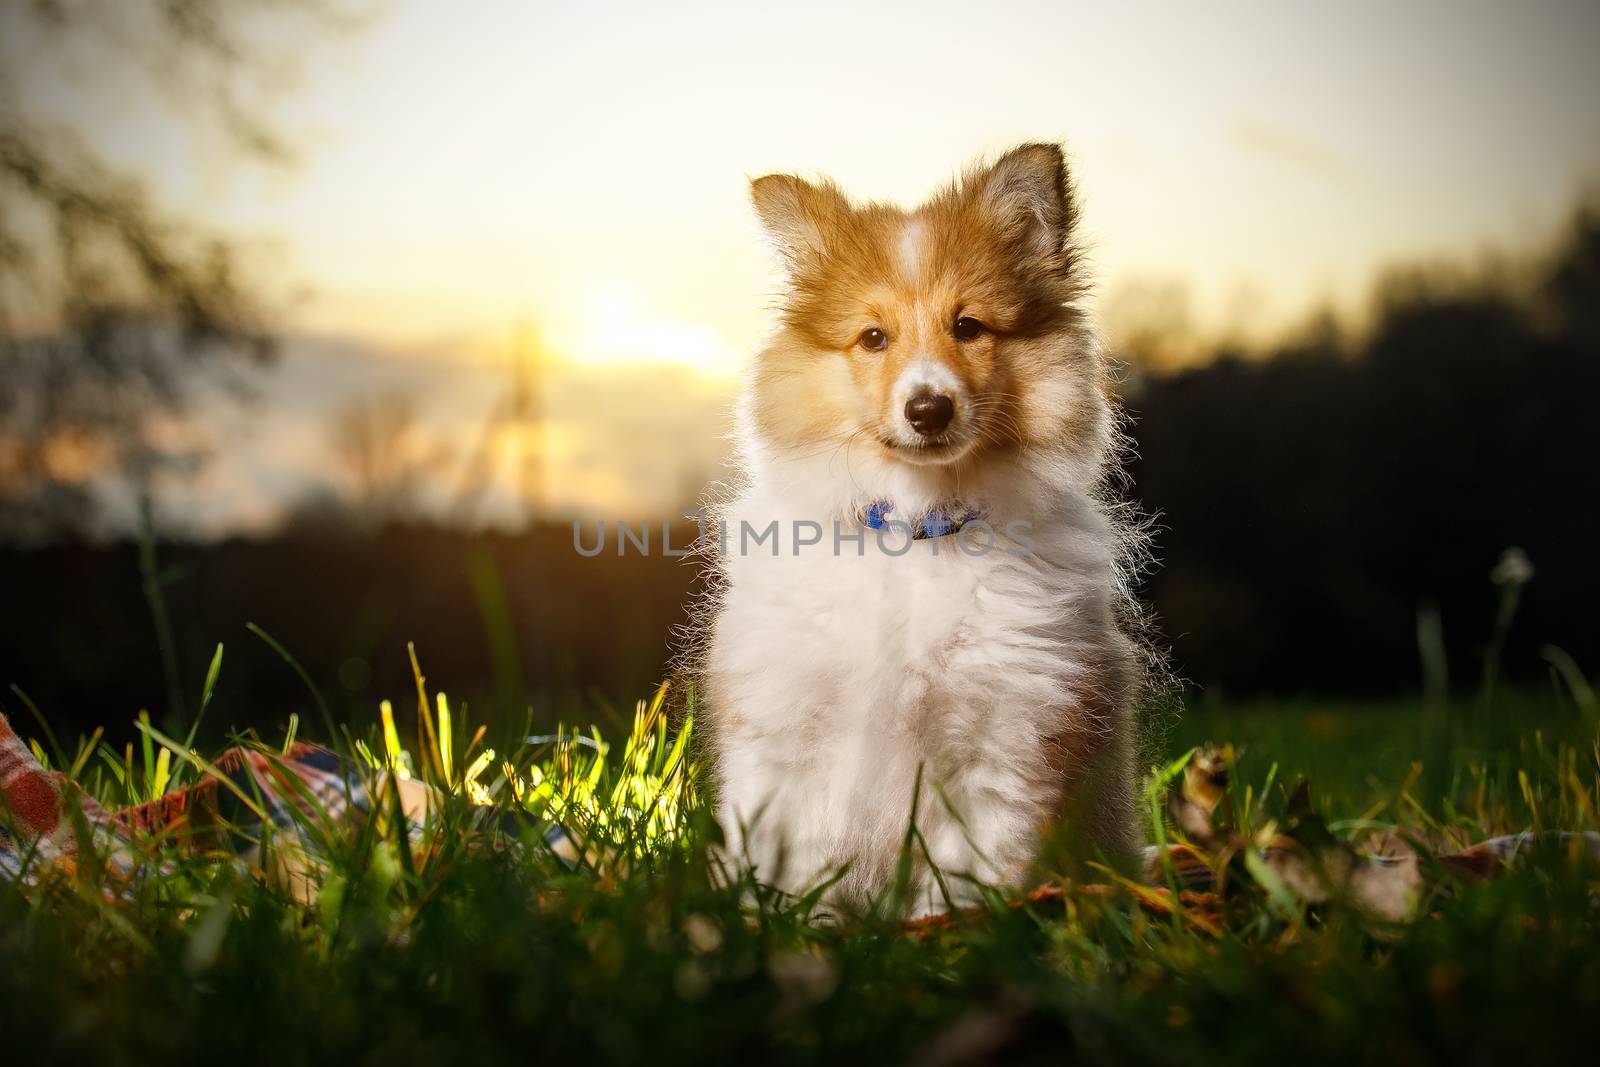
<point x="1514" y="568"/>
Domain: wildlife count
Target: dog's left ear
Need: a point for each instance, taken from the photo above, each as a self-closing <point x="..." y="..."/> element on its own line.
<point x="1028" y="193"/>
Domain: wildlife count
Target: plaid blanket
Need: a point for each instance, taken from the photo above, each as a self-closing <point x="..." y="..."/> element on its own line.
<point x="308" y="793"/>
<point x="47" y="820"/>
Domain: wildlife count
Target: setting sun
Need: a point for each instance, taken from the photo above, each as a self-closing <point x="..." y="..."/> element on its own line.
<point x="614" y="327"/>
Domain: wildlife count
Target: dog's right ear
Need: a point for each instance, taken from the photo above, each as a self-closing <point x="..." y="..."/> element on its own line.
<point x="799" y="218"/>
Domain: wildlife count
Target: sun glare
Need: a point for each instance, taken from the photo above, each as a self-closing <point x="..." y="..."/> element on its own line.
<point x="615" y="327"/>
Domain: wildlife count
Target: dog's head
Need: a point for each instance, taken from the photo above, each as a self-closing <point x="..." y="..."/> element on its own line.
<point x="936" y="335"/>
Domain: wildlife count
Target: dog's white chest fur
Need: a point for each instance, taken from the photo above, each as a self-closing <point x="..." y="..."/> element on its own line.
<point x="841" y="671"/>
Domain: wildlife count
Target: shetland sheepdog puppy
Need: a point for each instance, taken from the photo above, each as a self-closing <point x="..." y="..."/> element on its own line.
<point x="921" y="579"/>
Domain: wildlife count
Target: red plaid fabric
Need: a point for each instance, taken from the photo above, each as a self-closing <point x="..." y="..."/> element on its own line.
<point x="37" y="809"/>
<point x="32" y="797"/>
<point x="43" y="814"/>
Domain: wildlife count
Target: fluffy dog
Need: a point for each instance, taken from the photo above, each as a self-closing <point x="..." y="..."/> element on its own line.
<point x="923" y="596"/>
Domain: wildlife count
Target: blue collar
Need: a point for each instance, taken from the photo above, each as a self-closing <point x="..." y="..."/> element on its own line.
<point x="940" y="522"/>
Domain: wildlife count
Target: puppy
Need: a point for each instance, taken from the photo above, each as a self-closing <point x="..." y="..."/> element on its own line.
<point x="922" y="583"/>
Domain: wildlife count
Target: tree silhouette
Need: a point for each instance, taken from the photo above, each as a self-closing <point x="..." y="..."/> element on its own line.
<point x="113" y="314"/>
<point x="1316" y="497"/>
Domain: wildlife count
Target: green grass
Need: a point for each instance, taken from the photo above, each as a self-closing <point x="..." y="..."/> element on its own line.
<point x="1358" y="754"/>
<point x="487" y="947"/>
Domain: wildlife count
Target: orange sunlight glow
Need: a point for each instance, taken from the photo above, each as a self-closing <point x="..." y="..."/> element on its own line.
<point x="616" y="327"/>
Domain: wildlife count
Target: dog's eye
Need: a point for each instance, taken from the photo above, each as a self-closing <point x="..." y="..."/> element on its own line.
<point x="873" y="340"/>
<point x="966" y="328"/>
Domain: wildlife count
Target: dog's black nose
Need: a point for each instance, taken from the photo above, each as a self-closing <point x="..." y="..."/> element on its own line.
<point x="929" y="413"/>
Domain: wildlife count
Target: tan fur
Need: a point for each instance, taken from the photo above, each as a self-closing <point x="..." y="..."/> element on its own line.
<point x="977" y="259"/>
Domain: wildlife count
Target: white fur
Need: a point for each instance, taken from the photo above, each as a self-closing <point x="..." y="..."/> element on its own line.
<point x="910" y="249"/>
<point x="926" y="372"/>
<point x="837" y="669"/>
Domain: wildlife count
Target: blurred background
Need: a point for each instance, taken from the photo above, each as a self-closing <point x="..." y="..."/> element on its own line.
<point x="333" y="317"/>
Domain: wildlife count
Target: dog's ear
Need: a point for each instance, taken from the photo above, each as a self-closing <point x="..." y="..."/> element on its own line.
<point x="1028" y="194"/>
<point x="799" y="218"/>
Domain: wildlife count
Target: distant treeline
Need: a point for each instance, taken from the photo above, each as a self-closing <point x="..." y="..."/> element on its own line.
<point x="1313" y="501"/>
<point x="1316" y="497"/>
<point x="492" y="616"/>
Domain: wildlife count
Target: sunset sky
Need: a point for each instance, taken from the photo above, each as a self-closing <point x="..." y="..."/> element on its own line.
<point x="581" y="168"/>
